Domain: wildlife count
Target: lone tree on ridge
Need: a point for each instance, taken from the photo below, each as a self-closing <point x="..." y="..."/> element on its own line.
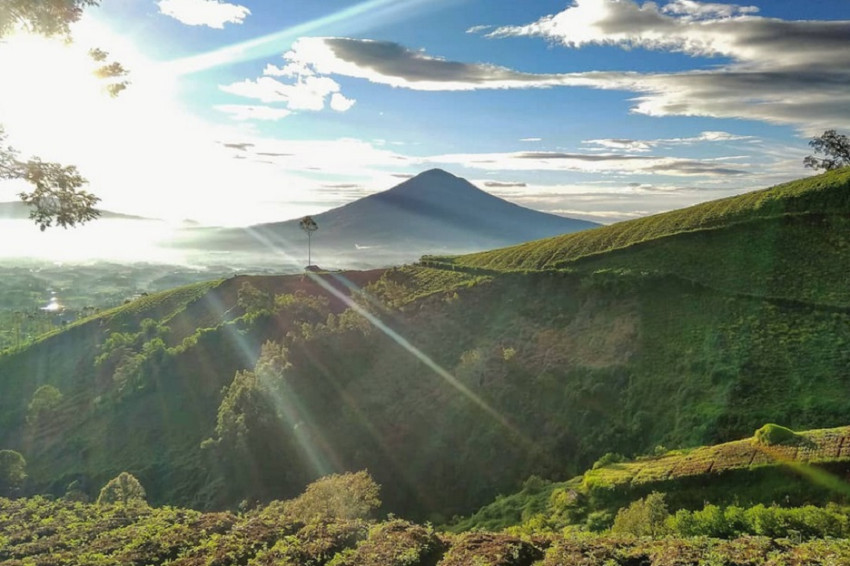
<point x="309" y="225"/>
<point x="836" y="148"/>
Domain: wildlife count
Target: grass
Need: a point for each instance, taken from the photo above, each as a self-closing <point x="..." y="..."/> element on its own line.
<point x="826" y="194"/>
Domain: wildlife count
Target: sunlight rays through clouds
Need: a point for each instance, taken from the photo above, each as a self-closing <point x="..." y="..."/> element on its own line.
<point x="353" y="19"/>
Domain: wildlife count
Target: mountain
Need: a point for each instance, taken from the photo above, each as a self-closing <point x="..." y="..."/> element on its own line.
<point x="454" y="379"/>
<point x="432" y="212"/>
<point x="17" y="210"/>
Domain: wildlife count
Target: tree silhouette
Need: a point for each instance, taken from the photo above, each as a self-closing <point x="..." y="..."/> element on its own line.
<point x="57" y="198"/>
<point x="309" y="225"/>
<point x="836" y="148"/>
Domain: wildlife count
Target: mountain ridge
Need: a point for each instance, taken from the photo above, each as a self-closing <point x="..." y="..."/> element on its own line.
<point x="431" y="212"/>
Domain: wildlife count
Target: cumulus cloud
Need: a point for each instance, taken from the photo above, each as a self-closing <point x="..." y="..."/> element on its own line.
<point x="211" y="13"/>
<point x="340" y="103"/>
<point x="770" y="70"/>
<point x="305" y="90"/>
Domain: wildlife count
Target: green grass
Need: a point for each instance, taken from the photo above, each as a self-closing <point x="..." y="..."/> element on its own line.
<point x="748" y="471"/>
<point x="828" y="194"/>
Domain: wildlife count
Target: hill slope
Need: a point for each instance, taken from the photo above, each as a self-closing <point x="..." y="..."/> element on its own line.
<point x="537" y="372"/>
<point x="433" y="211"/>
<point x="826" y="194"/>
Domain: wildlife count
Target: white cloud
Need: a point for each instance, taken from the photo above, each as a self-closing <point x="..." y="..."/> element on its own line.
<point x="340" y="103"/>
<point x="641" y="146"/>
<point x="526" y="140"/>
<point x="707" y="10"/>
<point x="590" y="163"/>
<point x="775" y="71"/>
<point x="211" y="13"/>
<point x="248" y="112"/>
<point x="307" y="91"/>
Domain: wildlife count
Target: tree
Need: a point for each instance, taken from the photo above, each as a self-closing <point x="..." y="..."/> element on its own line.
<point x="309" y="225"/>
<point x="124" y="489"/>
<point x="338" y="496"/>
<point x="13" y="472"/>
<point x="57" y="198"/>
<point x="836" y="148"/>
<point x="45" y="399"/>
<point x="644" y="517"/>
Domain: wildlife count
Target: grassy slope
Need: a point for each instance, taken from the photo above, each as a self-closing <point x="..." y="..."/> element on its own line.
<point x="827" y="194"/>
<point x="641" y="346"/>
<point x="744" y="472"/>
<point x="156" y="431"/>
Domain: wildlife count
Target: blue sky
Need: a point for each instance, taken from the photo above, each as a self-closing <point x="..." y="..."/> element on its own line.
<point x="250" y="111"/>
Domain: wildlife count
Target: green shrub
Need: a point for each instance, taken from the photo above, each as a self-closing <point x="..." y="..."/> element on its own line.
<point x="124" y="489"/>
<point x="45" y="399"/>
<point x="338" y="496"/>
<point x="13" y="472"/>
<point x="773" y="434"/>
<point x="607" y="459"/>
<point x="645" y="517"/>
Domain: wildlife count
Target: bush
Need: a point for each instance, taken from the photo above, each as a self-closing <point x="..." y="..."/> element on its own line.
<point x="13" y="472"/>
<point x="338" y="496"/>
<point x="122" y="490"/>
<point x="45" y="399"/>
<point x="644" y="517"/>
<point x="773" y="434"/>
<point x="607" y="459"/>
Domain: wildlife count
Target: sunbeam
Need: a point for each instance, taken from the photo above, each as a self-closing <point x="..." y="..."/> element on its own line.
<point x="350" y="20"/>
<point x="421" y="356"/>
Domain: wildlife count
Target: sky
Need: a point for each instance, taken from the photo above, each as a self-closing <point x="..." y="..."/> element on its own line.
<point x="262" y="110"/>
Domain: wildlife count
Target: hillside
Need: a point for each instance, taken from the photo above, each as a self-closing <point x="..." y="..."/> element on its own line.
<point x="531" y="372"/>
<point x="812" y="200"/>
<point x="805" y="469"/>
<point x="432" y="211"/>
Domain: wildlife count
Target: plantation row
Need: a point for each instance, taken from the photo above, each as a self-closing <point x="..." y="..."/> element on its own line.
<point x="39" y="532"/>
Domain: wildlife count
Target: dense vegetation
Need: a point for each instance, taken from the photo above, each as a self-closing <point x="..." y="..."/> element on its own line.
<point x="451" y="385"/>
<point x="303" y="531"/>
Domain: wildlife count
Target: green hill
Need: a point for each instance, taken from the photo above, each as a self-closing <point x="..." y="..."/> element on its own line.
<point x="806" y="468"/>
<point x="790" y="241"/>
<point x="455" y="380"/>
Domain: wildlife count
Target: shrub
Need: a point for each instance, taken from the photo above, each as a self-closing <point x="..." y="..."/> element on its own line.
<point x="338" y="496"/>
<point x="644" y="517"/>
<point x="124" y="489"/>
<point x="607" y="459"/>
<point x="772" y="434"/>
<point x="45" y="399"/>
<point x="13" y="472"/>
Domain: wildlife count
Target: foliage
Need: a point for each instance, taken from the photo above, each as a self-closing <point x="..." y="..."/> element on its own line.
<point x="338" y="496"/>
<point x="836" y="148"/>
<point x="253" y="300"/>
<point x="807" y="522"/>
<point x="57" y="197"/>
<point x="45" y="400"/>
<point x="773" y="434"/>
<point x="645" y="517"/>
<point x="47" y="17"/>
<point x="124" y="489"/>
<point x="12" y="472"/>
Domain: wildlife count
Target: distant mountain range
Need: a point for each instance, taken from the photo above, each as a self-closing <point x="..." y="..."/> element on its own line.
<point x="17" y="210"/>
<point x="434" y="211"/>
